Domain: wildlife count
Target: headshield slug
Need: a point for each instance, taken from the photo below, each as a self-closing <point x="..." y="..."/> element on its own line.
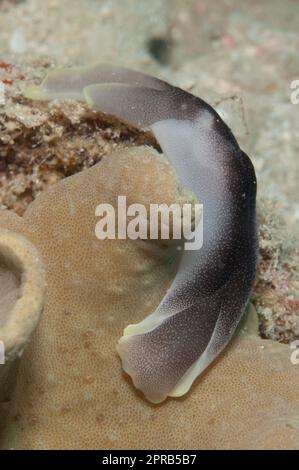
<point x="195" y="320"/>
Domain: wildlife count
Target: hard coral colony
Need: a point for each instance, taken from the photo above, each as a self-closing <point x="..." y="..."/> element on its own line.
<point x="172" y="346"/>
<point x="68" y="388"/>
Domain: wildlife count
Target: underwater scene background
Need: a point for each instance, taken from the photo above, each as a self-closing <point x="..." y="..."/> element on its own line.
<point x="59" y="158"/>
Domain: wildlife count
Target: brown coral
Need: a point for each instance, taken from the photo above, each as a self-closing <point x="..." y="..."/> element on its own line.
<point x="70" y="390"/>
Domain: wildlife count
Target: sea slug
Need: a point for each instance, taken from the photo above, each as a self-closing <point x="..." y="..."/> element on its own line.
<point x="195" y="320"/>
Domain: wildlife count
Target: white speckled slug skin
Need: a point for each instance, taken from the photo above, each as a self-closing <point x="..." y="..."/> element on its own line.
<point x="168" y="350"/>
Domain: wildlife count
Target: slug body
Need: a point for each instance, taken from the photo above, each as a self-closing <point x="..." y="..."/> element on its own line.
<point x="195" y="320"/>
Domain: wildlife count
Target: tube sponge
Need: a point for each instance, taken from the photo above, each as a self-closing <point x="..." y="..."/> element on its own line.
<point x="22" y="294"/>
